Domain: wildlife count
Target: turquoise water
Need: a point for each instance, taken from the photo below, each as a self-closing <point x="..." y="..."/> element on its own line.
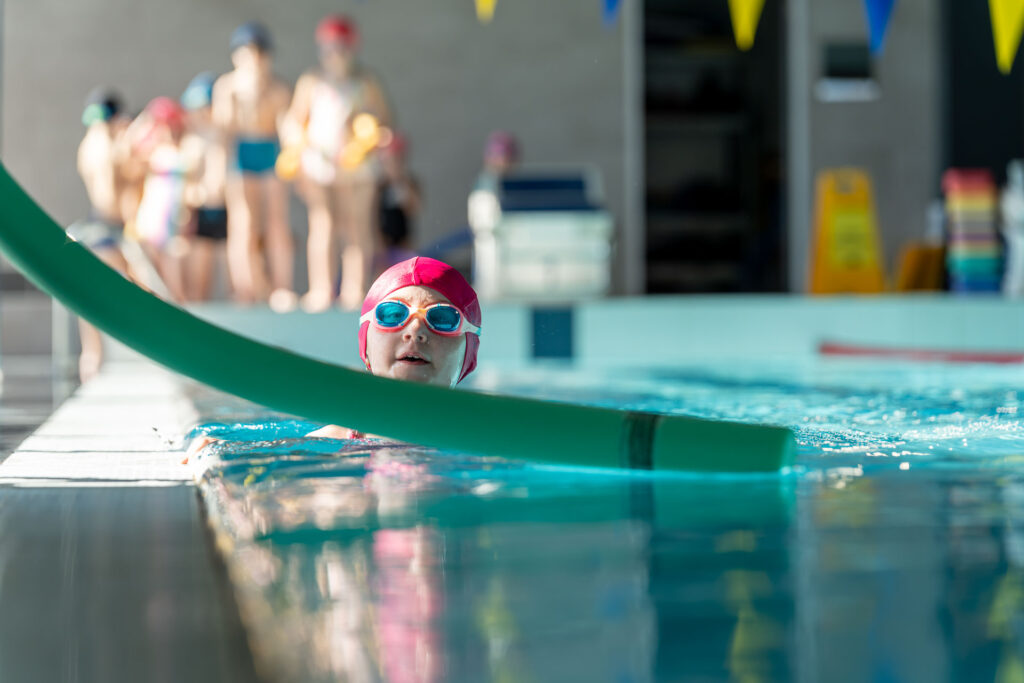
<point x="892" y="551"/>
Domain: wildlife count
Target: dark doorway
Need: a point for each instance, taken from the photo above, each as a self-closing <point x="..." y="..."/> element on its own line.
<point x="713" y="125"/>
<point x="984" y="108"/>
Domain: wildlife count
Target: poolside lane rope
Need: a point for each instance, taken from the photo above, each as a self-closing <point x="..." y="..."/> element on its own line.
<point x="442" y="418"/>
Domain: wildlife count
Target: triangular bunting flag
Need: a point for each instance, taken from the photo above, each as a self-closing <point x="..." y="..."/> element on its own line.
<point x="1007" y="26"/>
<point x="879" y="12"/>
<point x="745" y="15"/>
<point x="485" y="10"/>
<point x="611" y="11"/>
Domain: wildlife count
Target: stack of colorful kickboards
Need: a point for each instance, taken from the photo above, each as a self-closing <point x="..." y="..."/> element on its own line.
<point x="974" y="253"/>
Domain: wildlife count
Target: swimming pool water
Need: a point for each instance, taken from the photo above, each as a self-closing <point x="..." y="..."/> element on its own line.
<point x="892" y="551"/>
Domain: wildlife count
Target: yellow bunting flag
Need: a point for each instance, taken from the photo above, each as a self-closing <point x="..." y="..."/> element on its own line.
<point x="485" y="10"/>
<point x="1007" y="27"/>
<point x="745" y="16"/>
<point x="847" y="256"/>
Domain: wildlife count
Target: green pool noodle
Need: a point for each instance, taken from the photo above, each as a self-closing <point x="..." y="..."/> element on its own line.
<point x="453" y="420"/>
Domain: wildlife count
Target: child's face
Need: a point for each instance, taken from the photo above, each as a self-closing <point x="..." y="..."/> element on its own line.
<point x="251" y="58"/>
<point x="199" y="118"/>
<point x="439" y="357"/>
<point x="337" y="59"/>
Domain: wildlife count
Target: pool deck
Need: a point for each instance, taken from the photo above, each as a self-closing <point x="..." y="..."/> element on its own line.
<point x="107" y="569"/>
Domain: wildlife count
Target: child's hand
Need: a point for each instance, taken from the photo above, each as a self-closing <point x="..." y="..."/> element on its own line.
<point x="334" y="432"/>
<point x="198" y="444"/>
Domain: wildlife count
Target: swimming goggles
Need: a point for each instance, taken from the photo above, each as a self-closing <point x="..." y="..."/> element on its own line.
<point x="392" y="315"/>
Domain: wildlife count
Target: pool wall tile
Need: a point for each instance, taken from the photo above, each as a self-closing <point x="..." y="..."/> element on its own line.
<point x="676" y="329"/>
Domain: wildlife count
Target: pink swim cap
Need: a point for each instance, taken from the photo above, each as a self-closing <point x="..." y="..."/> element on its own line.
<point x="437" y="275"/>
<point x="502" y="145"/>
<point x="168" y="112"/>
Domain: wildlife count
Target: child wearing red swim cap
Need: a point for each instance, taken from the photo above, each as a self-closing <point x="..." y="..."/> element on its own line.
<point x="163" y="219"/>
<point x="340" y="190"/>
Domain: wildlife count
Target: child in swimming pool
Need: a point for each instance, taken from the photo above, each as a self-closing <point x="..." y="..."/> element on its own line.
<point x="248" y="105"/>
<point x="420" y="322"/>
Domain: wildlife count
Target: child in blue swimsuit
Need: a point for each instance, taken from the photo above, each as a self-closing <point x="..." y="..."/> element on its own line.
<point x="247" y="104"/>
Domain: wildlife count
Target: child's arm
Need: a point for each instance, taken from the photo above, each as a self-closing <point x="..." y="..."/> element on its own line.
<point x="377" y="101"/>
<point x="223" y="102"/>
<point x="293" y="123"/>
<point x="197" y="445"/>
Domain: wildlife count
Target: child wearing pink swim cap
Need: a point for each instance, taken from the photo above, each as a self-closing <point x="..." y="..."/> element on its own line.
<point x="450" y="337"/>
<point x="420" y="322"/>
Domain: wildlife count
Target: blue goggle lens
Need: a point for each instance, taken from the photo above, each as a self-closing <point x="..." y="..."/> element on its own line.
<point x="444" y="318"/>
<point x="391" y="313"/>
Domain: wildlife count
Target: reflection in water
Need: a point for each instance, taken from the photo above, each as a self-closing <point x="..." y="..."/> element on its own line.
<point x="504" y="575"/>
<point x="409" y="602"/>
<point x="893" y="552"/>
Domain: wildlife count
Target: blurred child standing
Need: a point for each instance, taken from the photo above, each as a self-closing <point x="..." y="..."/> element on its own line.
<point x="399" y="206"/>
<point x="336" y="114"/>
<point x="204" y="147"/>
<point x="248" y="105"/>
<point x="101" y="162"/>
<point x="163" y="221"/>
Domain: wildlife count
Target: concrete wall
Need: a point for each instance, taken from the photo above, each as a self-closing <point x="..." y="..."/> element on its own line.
<point x="550" y="71"/>
<point x="896" y="138"/>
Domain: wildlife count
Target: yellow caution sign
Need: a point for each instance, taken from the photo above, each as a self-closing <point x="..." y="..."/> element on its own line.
<point x="485" y="10"/>
<point x="745" y="16"/>
<point x="1007" y="27"/>
<point x="846" y="256"/>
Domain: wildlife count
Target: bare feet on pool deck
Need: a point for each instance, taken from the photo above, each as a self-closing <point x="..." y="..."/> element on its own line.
<point x="350" y="306"/>
<point x="316" y="301"/>
<point x="283" y="300"/>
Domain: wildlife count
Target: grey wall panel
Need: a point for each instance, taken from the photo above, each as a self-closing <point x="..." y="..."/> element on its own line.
<point x="896" y="138"/>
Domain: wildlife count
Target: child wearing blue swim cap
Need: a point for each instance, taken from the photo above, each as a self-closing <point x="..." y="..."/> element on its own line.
<point x="248" y="102"/>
